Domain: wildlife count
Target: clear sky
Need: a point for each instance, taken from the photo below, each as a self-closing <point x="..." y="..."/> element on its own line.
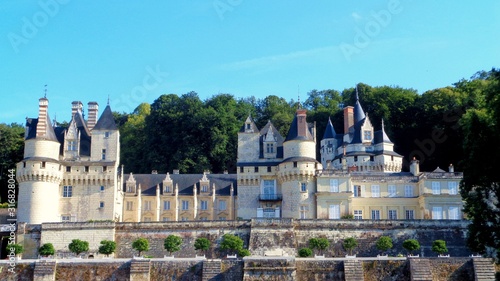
<point x="134" y="51"/>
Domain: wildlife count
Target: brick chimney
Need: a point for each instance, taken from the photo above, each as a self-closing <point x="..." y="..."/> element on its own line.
<point x="93" y="108"/>
<point x="75" y="107"/>
<point x="41" y="127"/>
<point x="348" y="118"/>
<point x="301" y="122"/>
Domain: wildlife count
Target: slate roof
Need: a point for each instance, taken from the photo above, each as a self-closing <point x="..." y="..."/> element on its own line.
<point x="31" y="124"/>
<point x="329" y="131"/>
<point x="186" y="182"/>
<point x="252" y="124"/>
<point x="277" y="135"/>
<point x="106" y="121"/>
<point x="293" y="133"/>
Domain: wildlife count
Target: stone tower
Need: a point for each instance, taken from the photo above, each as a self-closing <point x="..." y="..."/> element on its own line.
<point x="40" y="173"/>
<point x="296" y="173"/>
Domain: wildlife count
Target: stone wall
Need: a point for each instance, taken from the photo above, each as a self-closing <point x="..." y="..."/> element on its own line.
<point x="109" y="270"/>
<point x="444" y="269"/>
<point x="319" y="269"/>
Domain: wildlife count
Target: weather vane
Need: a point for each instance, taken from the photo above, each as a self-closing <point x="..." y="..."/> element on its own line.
<point x="45" y="96"/>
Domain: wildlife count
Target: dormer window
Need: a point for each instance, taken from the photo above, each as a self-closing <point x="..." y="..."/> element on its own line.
<point x="270" y="148"/>
<point x="106" y="135"/>
<point x="167" y="189"/>
<point x="204" y="188"/>
<point x="248" y="126"/>
<point x="72" y="145"/>
<point x="368" y="135"/>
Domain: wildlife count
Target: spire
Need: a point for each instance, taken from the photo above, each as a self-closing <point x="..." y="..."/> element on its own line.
<point x="45" y="92"/>
<point x="385" y="138"/>
<point x="107" y="121"/>
<point x="359" y="114"/>
<point x="329" y="131"/>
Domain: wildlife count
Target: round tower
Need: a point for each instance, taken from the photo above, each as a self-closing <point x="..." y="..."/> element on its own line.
<point x="297" y="172"/>
<point x="40" y="172"/>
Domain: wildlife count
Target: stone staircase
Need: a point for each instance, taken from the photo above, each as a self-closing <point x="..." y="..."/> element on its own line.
<point x="44" y="270"/>
<point x="483" y="269"/>
<point x="211" y="270"/>
<point x="353" y="270"/>
<point x="139" y="270"/>
<point x="420" y="270"/>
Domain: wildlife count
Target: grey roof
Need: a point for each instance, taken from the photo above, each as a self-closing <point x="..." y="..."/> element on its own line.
<point x="439" y="170"/>
<point x="186" y="182"/>
<point x="277" y="135"/>
<point x="300" y="159"/>
<point x="106" y="121"/>
<point x="293" y="133"/>
<point x="31" y="124"/>
<point x="252" y="124"/>
<point x="359" y="113"/>
<point x="329" y="131"/>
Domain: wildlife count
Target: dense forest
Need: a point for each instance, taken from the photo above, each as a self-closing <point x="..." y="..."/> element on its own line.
<point x="458" y="124"/>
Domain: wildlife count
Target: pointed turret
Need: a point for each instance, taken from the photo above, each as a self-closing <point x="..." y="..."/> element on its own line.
<point x="385" y="138"/>
<point x="107" y="121"/>
<point x="329" y="131"/>
<point x="359" y="113"/>
<point x="328" y="145"/>
<point x="249" y="126"/>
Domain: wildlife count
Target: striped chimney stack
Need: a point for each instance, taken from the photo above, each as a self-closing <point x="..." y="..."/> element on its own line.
<point x="93" y="108"/>
<point x="75" y="107"/>
<point x="43" y="116"/>
<point x="348" y="118"/>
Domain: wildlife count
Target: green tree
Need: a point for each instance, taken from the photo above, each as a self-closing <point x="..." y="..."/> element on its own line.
<point x="202" y="244"/>
<point x="439" y="247"/>
<point x="384" y="243"/>
<point x="15" y="248"/>
<point x="411" y="245"/>
<point x="46" y="249"/>
<point x="305" y="252"/>
<point x="133" y="138"/>
<point x="172" y="243"/>
<point x="349" y="244"/>
<point x="244" y="252"/>
<point x="11" y="152"/>
<point x="231" y="242"/>
<point x="140" y="245"/>
<point x="78" y="246"/>
<point x="319" y="243"/>
<point x="107" y="247"/>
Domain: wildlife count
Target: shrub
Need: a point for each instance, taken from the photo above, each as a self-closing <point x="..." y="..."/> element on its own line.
<point x="319" y="243"/>
<point x="202" y="244"/>
<point x="107" y="247"/>
<point x="305" y="252"/>
<point x="347" y="217"/>
<point x="15" y="248"/>
<point x="231" y="242"/>
<point x="46" y="249"/>
<point x="384" y="243"/>
<point x="439" y="247"/>
<point x="411" y="245"/>
<point x="243" y="252"/>
<point x="141" y="245"/>
<point x="172" y="243"/>
<point x="78" y="246"/>
<point x="349" y="244"/>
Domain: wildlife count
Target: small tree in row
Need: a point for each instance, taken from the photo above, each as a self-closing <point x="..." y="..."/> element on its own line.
<point x="46" y="249"/>
<point x="78" y="246"/>
<point x="202" y="244"/>
<point x="439" y="247"/>
<point x="305" y="252"/>
<point x="384" y="243"/>
<point x="319" y="243"/>
<point x="349" y="244"/>
<point x="141" y="245"/>
<point x="107" y="247"/>
<point x="234" y="244"/>
<point x="411" y="245"/>
<point x="172" y="243"/>
<point x="15" y="248"/>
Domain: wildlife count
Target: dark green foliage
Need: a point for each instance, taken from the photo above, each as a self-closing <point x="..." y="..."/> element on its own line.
<point x="78" y="246"/>
<point x="349" y="244"/>
<point x="107" y="247"/>
<point x="172" y="243"/>
<point x="231" y="242"/>
<point x="15" y="248"/>
<point x="141" y="245"/>
<point x="202" y="244"/>
<point x="384" y="243"/>
<point x="11" y="152"/>
<point x="411" y="245"/>
<point x="46" y="249"/>
<point x="244" y="252"/>
<point x="305" y="252"/>
<point x="319" y="243"/>
<point x="439" y="247"/>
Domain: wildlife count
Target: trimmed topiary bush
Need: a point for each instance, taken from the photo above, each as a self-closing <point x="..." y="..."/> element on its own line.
<point x="305" y="252"/>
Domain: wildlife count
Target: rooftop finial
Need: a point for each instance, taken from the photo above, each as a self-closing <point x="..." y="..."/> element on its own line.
<point x="357" y="96"/>
<point x="45" y="91"/>
<point x="298" y="94"/>
<point x="108" y="99"/>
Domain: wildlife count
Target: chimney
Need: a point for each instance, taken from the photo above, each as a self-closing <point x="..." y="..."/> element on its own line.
<point x="93" y="108"/>
<point x="301" y="122"/>
<point x="154" y="172"/>
<point x="41" y="127"/>
<point x="75" y="107"/>
<point x="451" y="169"/>
<point x="348" y="118"/>
<point x="415" y="167"/>
<point x="176" y="172"/>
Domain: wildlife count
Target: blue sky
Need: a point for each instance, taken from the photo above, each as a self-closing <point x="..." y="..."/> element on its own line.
<point x="135" y="51"/>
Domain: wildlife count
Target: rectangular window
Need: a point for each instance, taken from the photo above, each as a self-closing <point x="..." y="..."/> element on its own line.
<point x="65" y="218"/>
<point x="437" y="213"/>
<point x="368" y="135"/>
<point x="452" y="188"/>
<point x="101" y="204"/>
<point x="104" y="168"/>
<point x="102" y="188"/>
<point x="147" y="205"/>
<point x="241" y="169"/>
<point x="68" y="169"/>
<point x="453" y="213"/>
<point x="203" y="205"/>
<point x="375" y="190"/>
<point x="408" y="191"/>
<point x="436" y="187"/>
<point x="67" y="191"/>
<point x="106" y="135"/>
<point x="256" y="169"/>
<point x="334" y="185"/>
<point x="334" y="212"/>
<point x="130" y="206"/>
<point x="184" y="219"/>
<point x="268" y="169"/>
<point x="166" y="205"/>
<point x="268" y="188"/>
<point x="391" y="189"/>
<point x="222" y="218"/>
<point x="295" y="164"/>
<point x="222" y="205"/>
<point x="103" y="154"/>
<point x="357" y="191"/>
<point x="203" y="219"/>
<point x="375" y="214"/>
<point x="86" y="169"/>
<point x="393" y="215"/>
<point x="166" y="219"/>
<point x="72" y="145"/>
<point x="129" y="188"/>
<point x="303" y="211"/>
<point x="43" y="165"/>
<point x="303" y="187"/>
<point x="270" y="148"/>
<point x="185" y="205"/>
<point x="147" y="219"/>
<point x="204" y="188"/>
<point x="358" y="214"/>
<point x="167" y="189"/>
<point x="410" y="215"/>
